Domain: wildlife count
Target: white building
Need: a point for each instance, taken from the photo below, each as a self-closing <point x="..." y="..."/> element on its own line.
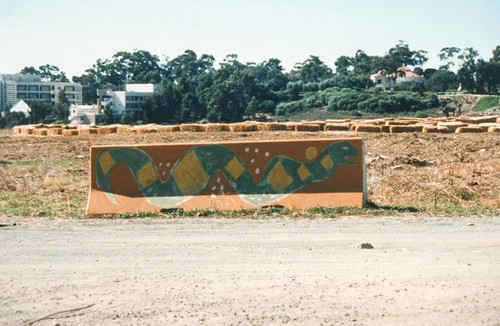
<point x="84" y="114"/>
<point x="403" y="77"/>
<point x="126" y="101"/>
<point x="30" y="88"/>
<point x="119" y="102"/>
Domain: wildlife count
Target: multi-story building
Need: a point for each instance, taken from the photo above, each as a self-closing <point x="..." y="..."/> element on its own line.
<point x="119" y="102"/>
<point x="30" y="88"/>
<point x="126" y="101"/>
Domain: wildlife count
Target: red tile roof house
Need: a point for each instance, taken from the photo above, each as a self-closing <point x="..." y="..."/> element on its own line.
<point x="403" y="77"/>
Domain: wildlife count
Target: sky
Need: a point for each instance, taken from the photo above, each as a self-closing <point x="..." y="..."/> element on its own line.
<point x="74" y="34"/>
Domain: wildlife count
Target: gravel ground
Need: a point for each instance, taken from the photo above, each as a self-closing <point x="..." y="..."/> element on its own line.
<point x="421" y="271"/>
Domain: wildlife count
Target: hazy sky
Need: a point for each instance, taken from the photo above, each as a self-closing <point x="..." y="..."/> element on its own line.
<point x="73" y="34"/>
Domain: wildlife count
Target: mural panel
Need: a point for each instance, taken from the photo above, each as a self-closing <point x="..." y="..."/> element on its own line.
<point x="296" y="174"/>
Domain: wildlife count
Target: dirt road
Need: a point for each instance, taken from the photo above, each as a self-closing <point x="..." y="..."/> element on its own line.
<point x="421" y="271"/>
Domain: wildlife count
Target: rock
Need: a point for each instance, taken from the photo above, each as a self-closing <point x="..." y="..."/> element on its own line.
<point x="366" y="245"/>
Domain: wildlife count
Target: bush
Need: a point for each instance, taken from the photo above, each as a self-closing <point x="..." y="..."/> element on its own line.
<point x="353" y="100"/>
<point x="421" y="115"/>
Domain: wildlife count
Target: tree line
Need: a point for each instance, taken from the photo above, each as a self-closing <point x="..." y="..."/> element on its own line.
<point x="194" y="88"/>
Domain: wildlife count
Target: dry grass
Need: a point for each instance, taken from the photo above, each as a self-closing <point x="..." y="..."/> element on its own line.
<point x="192" y="127"/>
<point x="244" y="127"/>
<point x="313" y="127"/>
<point x="337" y="126"/>
<point x="433" y="173"/>
<point x="367" y="128"/>
<point x="217" y="127"/>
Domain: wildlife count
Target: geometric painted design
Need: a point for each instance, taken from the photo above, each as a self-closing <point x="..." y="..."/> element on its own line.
<point x="189" y="174"/>
<point x="298" y="174"/>
<point x="303" y="172"/>
<point x="327" y="162"/>
<point x="311" y="153"/>
<point x="147" y="175"/>
<point x="234" y="168"/>
<point x="278" y="178"/>
<point x="106" y="162"/>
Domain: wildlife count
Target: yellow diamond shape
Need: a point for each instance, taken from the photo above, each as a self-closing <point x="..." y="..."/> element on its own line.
<point x="189" y="175"/>
<point x="234" y="168"/>
<point x="106" y="162"/>
<point x="327" y="162"/>
<point x="278" y="178"/>
<point x="303" y="172"/>
<point x="146" y="175"/>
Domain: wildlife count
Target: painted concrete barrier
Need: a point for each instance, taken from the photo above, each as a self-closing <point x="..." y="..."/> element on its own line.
<point x="296" y="174"/>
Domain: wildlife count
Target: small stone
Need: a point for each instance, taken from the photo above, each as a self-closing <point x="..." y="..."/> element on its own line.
<point x="366" y="245"/>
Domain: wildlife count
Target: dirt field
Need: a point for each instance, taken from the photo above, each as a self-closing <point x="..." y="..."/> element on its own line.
<point x="432" y="172"/>
<point x="59" y="270"/>
<point x="420" y="271"/>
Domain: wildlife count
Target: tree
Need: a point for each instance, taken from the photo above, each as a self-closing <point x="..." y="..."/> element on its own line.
<point x="363" y="64"/>
<point x="128" y="118"/>
<point x="447" y="55"/>
<point x="39" y="110"/>
<point x="441" y="81"/>
<point x="135" y="67"/>
<point x="487" y="77"/>
<point x="163" y="107"/>
<point x="343" y="65"/>
<point x="10" y="119"/>
<point x="60" y="111"/>
<point x="226" y="103"/>
<point x="90" y="84"/>
<point x="273" y="77"/>
<point x="29" y="71"/>
<point x="399" y="56"/>
<point x="467" y="72"/>
<point x="185" y="73"/>
<point x="312" y="70"/>
<point x="108" y="115"/>
<point x="47" y="72"/>
<point x="252" y="107"/>
<point x="124" y="67"/>
<point x="488" y="73"/>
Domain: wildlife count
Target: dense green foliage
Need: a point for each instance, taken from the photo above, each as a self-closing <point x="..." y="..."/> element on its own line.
<point x="194" y="88"/>
<point x="47" y="73"/>
<point x="346" y="99"/>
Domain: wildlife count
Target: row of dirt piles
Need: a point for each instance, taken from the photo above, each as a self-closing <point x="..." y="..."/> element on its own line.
<point x="386" y="125"/>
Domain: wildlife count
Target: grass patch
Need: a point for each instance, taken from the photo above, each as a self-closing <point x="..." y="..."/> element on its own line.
<point x="73" y="206"/>
<point x="43" y="165"/>
<point x="453" y="209"/>
<point x="45" y="188"/>
<point x="487" y="102"/>
<point x="42" y="206"/>
<point x="273" y="212"/>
